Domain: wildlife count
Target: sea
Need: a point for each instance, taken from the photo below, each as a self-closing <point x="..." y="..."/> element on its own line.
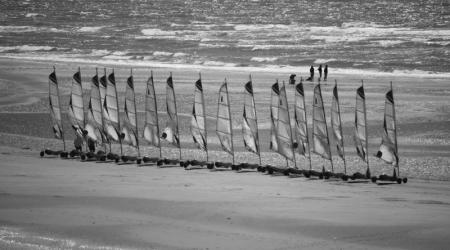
<point x="403" y="37"/>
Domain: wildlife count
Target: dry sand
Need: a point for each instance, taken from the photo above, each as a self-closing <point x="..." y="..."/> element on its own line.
<point x="53" y="203"/>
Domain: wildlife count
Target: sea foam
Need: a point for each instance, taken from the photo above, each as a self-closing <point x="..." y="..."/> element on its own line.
<point x="26" y="48"/>
<point x="90" y="29"/>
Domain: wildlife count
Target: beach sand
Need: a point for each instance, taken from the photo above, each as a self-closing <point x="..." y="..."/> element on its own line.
<point x="53" y="203"/>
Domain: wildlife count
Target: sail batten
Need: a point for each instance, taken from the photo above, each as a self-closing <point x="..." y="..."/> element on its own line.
<point x="249" y="121"/>
<point x="151" y="127"/>
<point x="198" y="119"/>
<point x="224" y="125"/>
<point x="321" y="143"/>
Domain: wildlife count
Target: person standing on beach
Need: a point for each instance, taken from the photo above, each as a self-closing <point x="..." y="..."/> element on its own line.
<point x="292" y="79"/>
<point x="78" y="142"/>
<point x="311" y="72"/>
<point x="325" y="72"/>
<point x="91" y="144"/>
<point x="320" y="71"/>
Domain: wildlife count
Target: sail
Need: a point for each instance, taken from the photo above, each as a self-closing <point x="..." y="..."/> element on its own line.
<point x="129" y="128"/>
<point x="274" y="99"/>
<point x="301" y="126"/>
<point x="151" y="127"/>
<point x="284" y="133"/>
<point x="55" y="106"/>
<point x="198" y="125"/>
<point x="223" y="128"/>
<point x="76" y="108"/>
<point x="336" y="125"/>
<point x="111" y="109"/>
<point x="249" y="122"/>
<point x="360" y="136"/>
<point x="321" y="143"/>
<point x="388" y="148"/>
<point x="94" y="123"/>
<point x="170" y="133"/>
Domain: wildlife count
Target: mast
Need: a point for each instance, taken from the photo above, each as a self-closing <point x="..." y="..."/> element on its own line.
<point x="103" y="121"/>
<point x="395" y="132"/>
<point x="101" y="108"/>
<point x="176" y="112"/>
<point x="135" y="117"/>
<point x="156" y="114"/>
<point x="307" y="133"/>
<point x="229" y="115"/>
<point x="290" y="128"/>
<point x="59" y="104"/>
<point x="204" y="121"/>
<point x="320" y="130"/>
<point x="256" y="121"/>
<point x="328" y="136"/>
<point x="341" y="148"/>
<point x="365" y="128"/>
<point x="118" y="115"/>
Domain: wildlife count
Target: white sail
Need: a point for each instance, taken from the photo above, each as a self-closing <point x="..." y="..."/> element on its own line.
<point x="129" y="128"/>
<point x="224" y="126"/>
<point x="55" y="106"/>
<point x="94" y="121"/>
<point x="170" y="133"/>
<point x="321" y="143"/>
<point x="274" y="99"/>
<point x="301" y="125"/>
<point x="249" y="121"/>
<point x="198" y="122"/>
<point x="360" y="136"/>
<point x="388" y="148"/>
<point x="111" y="110"/>
<point x="151" y="127"/>
<point x="336" y="125"/>
<point x="284" y="132"/>
<point x="76" y="107"/>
